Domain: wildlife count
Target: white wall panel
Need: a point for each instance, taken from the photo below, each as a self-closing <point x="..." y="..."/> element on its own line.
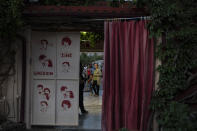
<point x="68" y="52"/>
<point x="43" y="54"/>
<point x="66" y="107"/>
<point x="55" y="71"/>
<point x="44" y="102"/>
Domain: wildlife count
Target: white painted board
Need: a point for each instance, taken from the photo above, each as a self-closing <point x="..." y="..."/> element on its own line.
<point x="67" y="101"/>
<point x="43" y="102"/>
<point x="68" y="52"/>
<point x="43" y="54"/>
<point x="55" y="67"/>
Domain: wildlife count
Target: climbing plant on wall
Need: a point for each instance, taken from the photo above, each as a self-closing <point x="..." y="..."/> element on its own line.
<point x="112" y="3"/>
<point x="10" y="25"/>
<point x="176" y="22"/>
<point x="67" y="2"/>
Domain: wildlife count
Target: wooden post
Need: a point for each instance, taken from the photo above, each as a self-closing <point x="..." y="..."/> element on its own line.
<point x="157" y="63"/>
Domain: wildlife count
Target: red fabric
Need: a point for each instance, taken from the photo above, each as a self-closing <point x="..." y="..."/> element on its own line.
<point x="89" y="72"/>
<point x="128" y="76"/>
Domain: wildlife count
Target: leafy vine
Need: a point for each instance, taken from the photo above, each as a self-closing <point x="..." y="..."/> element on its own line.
<point x="10" y="24"/>
<point x="175" y="21"/>
<point x="92" y="37"/>
<point x="68" y="2"/>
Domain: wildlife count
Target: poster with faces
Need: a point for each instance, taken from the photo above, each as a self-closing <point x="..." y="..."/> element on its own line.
<point x="67" y="102"/>
<point x="43" y="102"/>
<point x="55" y="68"/>
<point x="43" y="54"/>
<point x="68" y="51"/>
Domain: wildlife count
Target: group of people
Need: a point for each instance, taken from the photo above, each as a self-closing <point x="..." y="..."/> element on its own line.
<point x="93" y="77"/>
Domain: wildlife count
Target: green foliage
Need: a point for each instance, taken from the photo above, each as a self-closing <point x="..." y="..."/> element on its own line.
<point x="10" y="25"/>
<point x="10" y="18"/>
<point x="85" y="59"/>
<point x="92" y="37"/>
<point x="68" y="2"/>
<point x="113" y="3"/>
<point x="176" y="21"/>
<point x="118" y="3"/>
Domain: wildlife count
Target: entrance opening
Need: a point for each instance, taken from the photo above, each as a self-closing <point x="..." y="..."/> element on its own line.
<point x="57" y="20"/>
<point x="91" y="58"/>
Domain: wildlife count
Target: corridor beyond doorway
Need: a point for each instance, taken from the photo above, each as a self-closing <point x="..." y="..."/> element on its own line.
<point x="91" y="53"/>
<point x="93" y="104"/>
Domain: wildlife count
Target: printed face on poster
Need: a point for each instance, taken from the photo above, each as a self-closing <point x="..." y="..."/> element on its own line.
<point x="43" y="102"/>
<point x="68" y="51"/>
<point x="55" y="67"/>
<point x="66" y="107"/>
<point x="43" y="54"/>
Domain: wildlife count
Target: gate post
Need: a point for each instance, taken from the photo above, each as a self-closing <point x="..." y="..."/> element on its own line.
<point x="27" y="110"/>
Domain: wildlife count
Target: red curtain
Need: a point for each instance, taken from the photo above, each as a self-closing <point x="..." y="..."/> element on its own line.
<point x="128" y="76"/>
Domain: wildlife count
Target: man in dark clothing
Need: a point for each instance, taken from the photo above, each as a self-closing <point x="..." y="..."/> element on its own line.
<point x="81" y="87"/>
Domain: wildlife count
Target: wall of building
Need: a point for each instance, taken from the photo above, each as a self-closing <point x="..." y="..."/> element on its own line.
<point x="11" y="91"/>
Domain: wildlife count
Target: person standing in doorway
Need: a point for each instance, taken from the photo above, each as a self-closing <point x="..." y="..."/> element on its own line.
<point x="90" y="82"/>
<point x="90" y="74"/>
<point x="81" y="88"/>
<point x="96" y="79"/>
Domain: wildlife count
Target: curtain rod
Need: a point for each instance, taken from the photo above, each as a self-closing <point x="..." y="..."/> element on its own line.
<point x="114" y="19"/>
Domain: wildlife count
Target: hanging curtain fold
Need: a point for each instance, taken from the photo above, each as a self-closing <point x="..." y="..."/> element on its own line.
<point x="128" y="76"/>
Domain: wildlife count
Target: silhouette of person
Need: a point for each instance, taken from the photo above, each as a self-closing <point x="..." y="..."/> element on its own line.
<point x="81" y="88"/>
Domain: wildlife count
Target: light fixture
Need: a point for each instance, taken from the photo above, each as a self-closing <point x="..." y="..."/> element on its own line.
<point x="83" y="32"/>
